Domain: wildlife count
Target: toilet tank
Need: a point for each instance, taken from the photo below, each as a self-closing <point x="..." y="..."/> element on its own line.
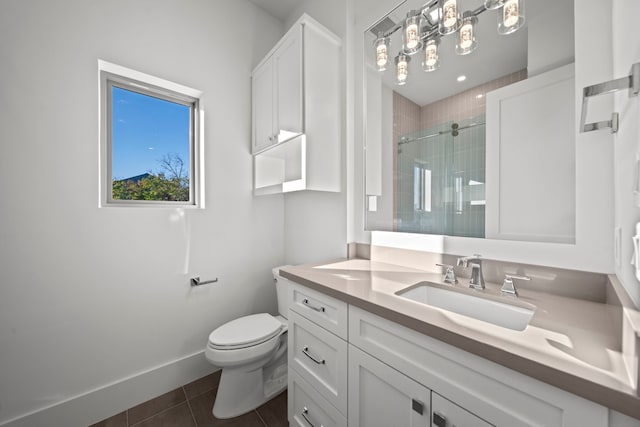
<point x="282" y="291"/>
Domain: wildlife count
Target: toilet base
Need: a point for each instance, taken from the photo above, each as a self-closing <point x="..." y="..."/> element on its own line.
<point x="241" y="390"/>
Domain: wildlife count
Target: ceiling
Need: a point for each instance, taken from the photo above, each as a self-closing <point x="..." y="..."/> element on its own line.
<point x="277" y="8"/>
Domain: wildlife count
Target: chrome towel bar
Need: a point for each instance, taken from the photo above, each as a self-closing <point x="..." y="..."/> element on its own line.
<point x="631" y="82"/>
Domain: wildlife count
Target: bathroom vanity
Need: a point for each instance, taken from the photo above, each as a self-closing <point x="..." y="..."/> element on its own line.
<point x="363" y="351"/>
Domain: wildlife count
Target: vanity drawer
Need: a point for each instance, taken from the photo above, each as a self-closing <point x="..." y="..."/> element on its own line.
<point x="326" y="311"/>
<point x="306" y="407"/>
<point x="319" y="357"/>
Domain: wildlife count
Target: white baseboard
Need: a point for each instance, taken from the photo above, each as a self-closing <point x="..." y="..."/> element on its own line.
<point x="111" y="399"/>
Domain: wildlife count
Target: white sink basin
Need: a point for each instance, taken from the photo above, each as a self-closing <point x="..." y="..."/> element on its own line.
<point x="510" y="316"/>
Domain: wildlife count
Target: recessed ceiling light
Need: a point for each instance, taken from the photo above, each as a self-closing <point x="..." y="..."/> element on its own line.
<point x="462" y="78"/>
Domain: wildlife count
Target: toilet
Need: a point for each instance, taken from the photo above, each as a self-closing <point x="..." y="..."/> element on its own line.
<point x="252" y="352"/>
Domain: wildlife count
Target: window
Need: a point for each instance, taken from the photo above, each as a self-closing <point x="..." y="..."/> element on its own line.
<point x="150" y="140"/>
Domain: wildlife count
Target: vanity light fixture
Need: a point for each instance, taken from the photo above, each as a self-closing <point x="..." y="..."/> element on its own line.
<point x="423" y="28"/>
<point x="431" y="61"/>
<point x="493" y="4"/>
<point x="402" y="68"/>
<point x="466" y="36"/>
<point x="512" y="16"/>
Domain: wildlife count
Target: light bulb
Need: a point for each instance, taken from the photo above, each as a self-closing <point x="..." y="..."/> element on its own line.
<point x="510" y="13"/>
<point x="512" y="16"/>
<point x="431" y="54"/>
<point x="450" y="13"/>
<point x="411" y="34"/>
<point x="466" y="35"/>
<point x="402" y="68"/>
<point x="382" y="54"/>
<point x="431" y="61"/>
<point x="411" y="41"/>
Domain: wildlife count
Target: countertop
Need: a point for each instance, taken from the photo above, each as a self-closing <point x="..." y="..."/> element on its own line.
<point x="573" y="344"/>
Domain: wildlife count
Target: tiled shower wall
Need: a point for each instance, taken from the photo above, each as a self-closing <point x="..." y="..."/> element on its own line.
<point x="448" y="158"/>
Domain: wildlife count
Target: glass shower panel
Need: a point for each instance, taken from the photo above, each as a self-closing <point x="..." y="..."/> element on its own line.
<point x="440" y="177"/>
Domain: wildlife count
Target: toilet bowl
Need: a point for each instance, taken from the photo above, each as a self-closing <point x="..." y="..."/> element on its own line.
<point x="252" y="352"/>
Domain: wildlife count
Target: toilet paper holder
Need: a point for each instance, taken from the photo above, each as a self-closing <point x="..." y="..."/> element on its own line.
<point x="195" y="281"/>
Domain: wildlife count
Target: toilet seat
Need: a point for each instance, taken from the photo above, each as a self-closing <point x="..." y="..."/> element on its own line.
<point x="245" y="332"/>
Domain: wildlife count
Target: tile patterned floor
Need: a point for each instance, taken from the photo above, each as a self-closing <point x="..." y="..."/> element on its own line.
<point x="190" y="406"/>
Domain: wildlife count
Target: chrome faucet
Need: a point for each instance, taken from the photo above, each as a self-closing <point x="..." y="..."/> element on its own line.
<point x="508" y="287"/>
<point x="449" y="275"/>
<point x="477" y="279"/>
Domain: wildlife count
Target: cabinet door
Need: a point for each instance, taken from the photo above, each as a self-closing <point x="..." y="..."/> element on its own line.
<point x="531" y="156"/>
<point x="448" y="414"/>
<point x="381" y="396"/>
<point x="262" y="106"/>
<point x="288" y="68"/>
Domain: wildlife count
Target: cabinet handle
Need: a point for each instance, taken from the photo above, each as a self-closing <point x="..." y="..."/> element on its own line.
<point x="439" y="420"/>
<point x="304" y="413"/>
<point x="417" y="406"/>
<point x="305" y="350"/>
<point x="319" y="309"/>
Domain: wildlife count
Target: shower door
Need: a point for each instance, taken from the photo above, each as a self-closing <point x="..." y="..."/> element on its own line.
<point x="440" y="180"/>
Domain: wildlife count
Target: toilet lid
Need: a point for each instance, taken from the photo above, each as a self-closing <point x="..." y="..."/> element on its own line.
<point x="246" y="330"/>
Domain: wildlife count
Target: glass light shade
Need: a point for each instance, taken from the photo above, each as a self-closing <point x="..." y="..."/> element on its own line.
<point x="466" y="42"/>
<point x="449" y="17"/>
<point x="411" y="41"/>
<point x="512" y="16"/>
<point x="382" y="52"/>
<point x="493" y="4"/>
<point x="431" y="60"/>
<point x="402" y="68"/>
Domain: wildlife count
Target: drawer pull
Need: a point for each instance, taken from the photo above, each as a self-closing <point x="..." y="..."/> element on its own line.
<point x="306" y="302"/>
<point x="305" y="350"/>
<point x="304" y="413"/>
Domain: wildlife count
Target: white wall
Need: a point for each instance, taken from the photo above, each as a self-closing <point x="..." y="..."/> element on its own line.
<point x="315" y="222"/>
<point x="626" y="51"/>
<point x="89" y="296"/>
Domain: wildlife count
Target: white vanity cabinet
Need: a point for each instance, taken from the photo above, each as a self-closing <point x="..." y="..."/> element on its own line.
<point x="317" y="358"/>
<point x="348" y="366"/>
<point x="466" y="390"/>
<point x="296" y="112"/>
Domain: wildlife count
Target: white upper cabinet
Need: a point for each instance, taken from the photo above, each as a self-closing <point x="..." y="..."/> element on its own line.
<point x="277" y="93"/>
<point x="296" y="112"/>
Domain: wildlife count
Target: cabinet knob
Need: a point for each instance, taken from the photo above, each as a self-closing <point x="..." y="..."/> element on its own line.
<point x="439" y="420"/>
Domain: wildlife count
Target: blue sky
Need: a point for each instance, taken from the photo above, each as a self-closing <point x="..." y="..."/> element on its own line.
<point x="145" y="129"/>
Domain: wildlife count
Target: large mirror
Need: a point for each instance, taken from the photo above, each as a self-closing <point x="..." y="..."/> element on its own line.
<point x="459" y="150"/>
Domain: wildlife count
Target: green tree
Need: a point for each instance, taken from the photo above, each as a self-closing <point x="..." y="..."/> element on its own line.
<point x="170" y="185"/>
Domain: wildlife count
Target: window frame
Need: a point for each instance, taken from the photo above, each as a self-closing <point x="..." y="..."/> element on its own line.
<point x="111" y="75"/>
